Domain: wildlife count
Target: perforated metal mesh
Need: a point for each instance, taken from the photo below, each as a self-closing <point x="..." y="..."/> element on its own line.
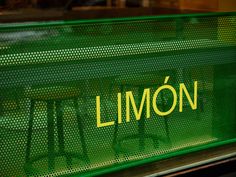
<point x="52" y="73"/>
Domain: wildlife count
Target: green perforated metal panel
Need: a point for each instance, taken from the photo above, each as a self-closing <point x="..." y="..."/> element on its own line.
<point x="88" y="97"/>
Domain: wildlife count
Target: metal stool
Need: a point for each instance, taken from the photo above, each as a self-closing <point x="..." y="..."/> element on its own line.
<point x="141" y="82"/>
<point x="54" y="96"/>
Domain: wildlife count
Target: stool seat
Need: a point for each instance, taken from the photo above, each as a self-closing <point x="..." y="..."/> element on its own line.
<point x="139" y="80"/>
<point x="52" y="93"/>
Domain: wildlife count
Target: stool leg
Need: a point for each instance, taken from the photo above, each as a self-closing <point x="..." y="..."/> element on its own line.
<point x="30" y="131"/>
<point x="61" y="139"/>
<point x="81" y="129"/>
<point x="50" y="121"/>
<point x="141" y="130"/>
<point x="114" y="143"/>
<point x="60" y="133"/>
<point x="165" y="118"/>
<point x="1" y="107"/>
<point x="115" y="133"/>
<point x="141" y="122"/>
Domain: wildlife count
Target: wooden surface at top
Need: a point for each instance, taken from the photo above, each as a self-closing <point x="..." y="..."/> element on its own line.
<point x="23" y="15"/>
